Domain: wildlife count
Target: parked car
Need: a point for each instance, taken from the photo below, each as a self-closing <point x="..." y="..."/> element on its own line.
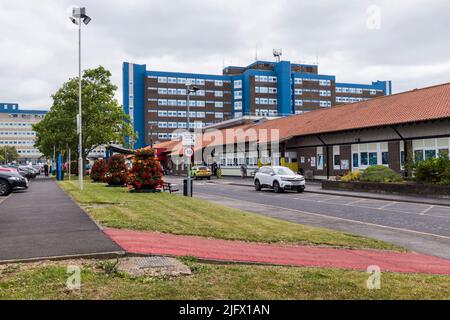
<point x="201" y="172"/>
<point x="11" y="180"/>
<point x="279" y="179"/>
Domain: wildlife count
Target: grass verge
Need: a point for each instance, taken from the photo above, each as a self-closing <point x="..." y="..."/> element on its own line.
<point x="47" y="280"/>
<point x="163" y="212"/>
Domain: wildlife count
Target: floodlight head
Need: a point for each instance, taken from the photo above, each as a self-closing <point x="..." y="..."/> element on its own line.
<point x="86" y="20"/>
<point x="74" y="21"/>
<point x="79" y="12"/>
<point x="195" y="88"/>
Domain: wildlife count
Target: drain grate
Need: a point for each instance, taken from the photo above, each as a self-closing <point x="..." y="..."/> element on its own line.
<point x="153" y="266"/>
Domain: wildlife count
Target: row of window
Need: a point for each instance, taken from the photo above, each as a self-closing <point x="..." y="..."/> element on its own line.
<point x="321" y="103"/>
<point x="15" y="124"/>
<point x="183" y="103"/>
<point x="183" y="114"/>
<point x="180" y="125"/>
<point x="266" y="101"/>
<point x="183" y="92"/>
<point x="266" y="90"/>
<point x="266" y="113"/>
<point x="322" y="93"/>
<point x="26" y="116"/>
<point x="350" y="99"/>
<point x="189" y="81"/>
<point x="356" y="90"/>
<point x="321" y="82"/>
<point x="18" y="133"/>
<point x="11" y="142"/>
<point x="268" y="79"/>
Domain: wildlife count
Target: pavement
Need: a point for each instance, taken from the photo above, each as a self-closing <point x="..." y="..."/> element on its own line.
<point x="141" y="242"/>
<point x="43" y="222"/>
<point x="423" y="228"/>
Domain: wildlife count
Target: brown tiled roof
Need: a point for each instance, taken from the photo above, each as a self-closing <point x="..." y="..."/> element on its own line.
<point x="412" y="106"/>
<point x="430" y="103"/>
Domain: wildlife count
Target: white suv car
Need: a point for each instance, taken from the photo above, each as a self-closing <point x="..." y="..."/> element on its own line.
<point x="279" y="179"/>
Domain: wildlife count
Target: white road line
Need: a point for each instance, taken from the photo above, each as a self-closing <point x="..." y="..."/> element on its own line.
<point x="328" y="199"/>
<point x="354" y="202"/>
<point x="387" y="205"/>
<point x="424" y="212"/>
<point x="344" y="219"/>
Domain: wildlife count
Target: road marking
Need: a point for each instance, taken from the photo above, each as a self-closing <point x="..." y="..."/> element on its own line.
<point x="387" y="205"/>
<point x="424" y="212"/>
<point x="354" y="202"/>
<point x="328" y="199"/>
<point x="341" y="219"/>
<point x="4" y="198"/>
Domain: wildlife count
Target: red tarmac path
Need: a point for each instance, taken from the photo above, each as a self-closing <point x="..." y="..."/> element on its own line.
<point x="154" y="243"/>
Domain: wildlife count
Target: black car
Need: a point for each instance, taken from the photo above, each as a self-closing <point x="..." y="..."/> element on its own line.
<point x="10" y="181"/>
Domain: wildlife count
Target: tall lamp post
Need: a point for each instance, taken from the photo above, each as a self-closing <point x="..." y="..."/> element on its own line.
<point x="189" y="89"/>
<point x="78" y="16"/>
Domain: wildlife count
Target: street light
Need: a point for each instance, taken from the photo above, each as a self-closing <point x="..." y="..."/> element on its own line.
<point x="189" y="89"/>
<point x="79" y="15"/>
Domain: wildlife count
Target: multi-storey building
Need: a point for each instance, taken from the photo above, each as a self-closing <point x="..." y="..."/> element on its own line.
<point x="157" y="101"/>
<point x="16" y="130"/>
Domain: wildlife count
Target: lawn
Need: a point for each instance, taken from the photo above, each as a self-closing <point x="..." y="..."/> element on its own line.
<point x="46" y="280"/>
<point x="163" y="212"/>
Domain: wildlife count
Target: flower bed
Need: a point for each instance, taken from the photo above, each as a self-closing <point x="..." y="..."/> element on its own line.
<point x="116" y="174"/>
<point x="145" y="174"/>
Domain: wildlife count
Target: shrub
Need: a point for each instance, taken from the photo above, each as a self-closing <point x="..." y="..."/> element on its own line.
<point x="380" y="174"/>
<point x="116" y="173"/>
<point x="98" y="171"/>
<point x="433" y="171"/>
<point x="145" y="172"/>
<point x="351" y="176"/>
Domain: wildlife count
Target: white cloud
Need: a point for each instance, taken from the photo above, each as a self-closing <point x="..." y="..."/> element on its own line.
<point x="38" y="45"/>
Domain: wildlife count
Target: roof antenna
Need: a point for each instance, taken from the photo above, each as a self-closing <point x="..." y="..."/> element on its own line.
<point x="256" y="53"/>
<point x="277" y="53"/>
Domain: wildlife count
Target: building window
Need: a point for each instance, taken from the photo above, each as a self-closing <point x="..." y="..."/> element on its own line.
<point x="238" y="95"/>
<point x="385" y="158"/>
<point x="373" y="158"/>
<point x="238" y="105"/>
<point x="172" y="80"/>
<point x="355" y="160"/>
<point x="237" y="84"/>
<point x="218" y="104"/>
<point x="430" y="154"/>
<point x="218" y="115"/>
<point x="162" y="80"/>
<point x="218" y="83"/>
<point x="364" y="159"/>
<point x="218" y="94"/>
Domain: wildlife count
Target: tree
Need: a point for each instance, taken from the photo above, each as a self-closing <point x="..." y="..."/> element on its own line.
<point x="104" y="120"/>
<point x="8" y="154"/>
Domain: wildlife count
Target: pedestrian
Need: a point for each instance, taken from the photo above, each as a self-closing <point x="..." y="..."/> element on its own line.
<point x="214" y="169"/>
<point x="46" y="169"/>
<point x="244" y="171"/>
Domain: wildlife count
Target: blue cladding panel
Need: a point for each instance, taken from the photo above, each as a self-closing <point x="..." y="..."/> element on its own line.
<point x="283" y="73"/>
<point x="125" y="80"/>
<point x="139" y="103"/>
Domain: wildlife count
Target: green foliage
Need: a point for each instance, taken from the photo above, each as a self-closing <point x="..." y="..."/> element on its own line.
<point x="434" y="170"/>
<point x="9" y="153"/>
<point x="380" y="174"/>
<point x="116" y="173"/>
<point x="98" y="170"/>
<point x="104" y="120"/>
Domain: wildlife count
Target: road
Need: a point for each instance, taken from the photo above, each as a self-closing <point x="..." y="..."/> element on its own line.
<point x="419" y="227"/>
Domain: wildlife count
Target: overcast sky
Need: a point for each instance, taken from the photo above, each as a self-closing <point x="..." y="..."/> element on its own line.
<point x="360" y="41"/>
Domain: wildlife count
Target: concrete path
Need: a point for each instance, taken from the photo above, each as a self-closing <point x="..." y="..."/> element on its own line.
<point x="236" y="251"/>
<point x="43" y="222"/>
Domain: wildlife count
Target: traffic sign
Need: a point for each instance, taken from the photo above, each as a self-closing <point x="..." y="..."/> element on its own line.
<point x="188" y="152"/>
<point x="188" y="139"/>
